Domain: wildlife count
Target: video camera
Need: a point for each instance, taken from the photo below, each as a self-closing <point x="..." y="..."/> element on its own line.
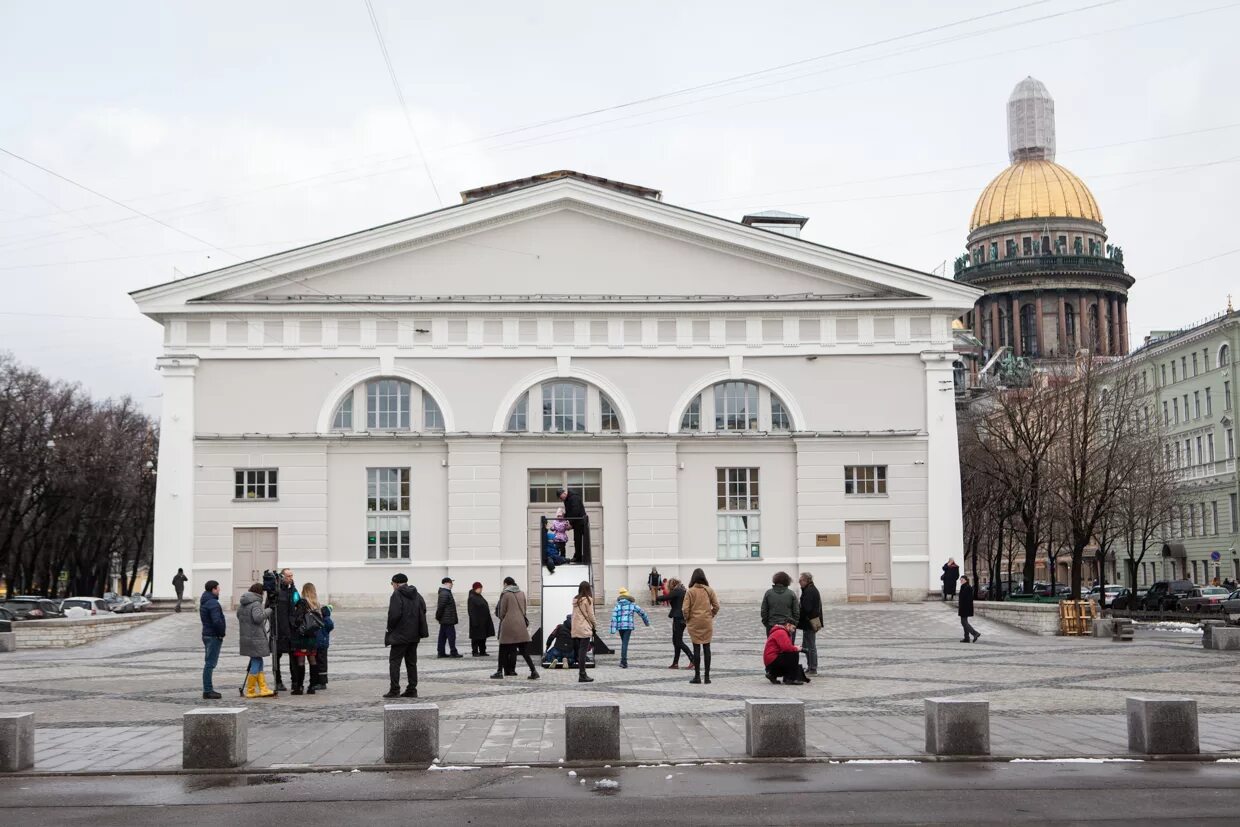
<point x="271" y="582"/>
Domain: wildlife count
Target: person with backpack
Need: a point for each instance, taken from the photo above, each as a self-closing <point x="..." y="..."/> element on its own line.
<point x="306" y="621"/>
<point x="622" y="622"/>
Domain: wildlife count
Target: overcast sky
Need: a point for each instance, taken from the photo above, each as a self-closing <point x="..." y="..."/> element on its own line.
<point x="261" y="126"/>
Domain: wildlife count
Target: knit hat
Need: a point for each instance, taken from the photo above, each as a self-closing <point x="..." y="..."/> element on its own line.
<point x="476" y="586"/>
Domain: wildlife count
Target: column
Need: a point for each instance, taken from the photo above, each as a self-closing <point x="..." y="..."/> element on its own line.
<point x="1016" y="348"/>
<point x="996" y="340"/>
<point x="1104" y="344"/>
<point x="978" y="309"/>
<point x="1061" y="342"/>
<point x="1123" y="326"/>
<point x="473" y="502"/>
<point x="1082" y="322"/>
<point x="653" y="487"/>
<point x="1113" y="326"/>
<point x="1041" y="337"/>
<point x="174" y="484"/>
<point x="944" y="524"/>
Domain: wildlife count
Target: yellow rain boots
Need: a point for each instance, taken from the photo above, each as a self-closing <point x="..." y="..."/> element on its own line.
<point x="264" y="691"/>
<point x="251" y="686"/>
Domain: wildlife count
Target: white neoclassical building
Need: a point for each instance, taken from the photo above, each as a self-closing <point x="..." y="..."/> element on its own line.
<point x="722" y="394"/>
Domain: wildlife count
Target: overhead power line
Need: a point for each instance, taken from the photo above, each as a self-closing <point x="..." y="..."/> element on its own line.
<point x="400" y="96"/>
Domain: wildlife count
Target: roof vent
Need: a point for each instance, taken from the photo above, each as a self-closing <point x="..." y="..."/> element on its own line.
<point x="776" y="221"/>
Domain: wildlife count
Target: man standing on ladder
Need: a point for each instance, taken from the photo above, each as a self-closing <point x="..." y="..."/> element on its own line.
<point x="575" y="513"/>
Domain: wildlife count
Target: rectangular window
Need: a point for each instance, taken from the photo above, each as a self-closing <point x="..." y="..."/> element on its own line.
<point x="564" y="407"/>
<point x="736" y="406"/>
<point x="1175" y="407"/>
<point x="387" y="514"/>
<point x="1235" y="511"/>
<point x="254" y="483"/>
<point x="1209" y="447"/>
<point x="1194" y="364"/>
<point x="1227" y="396"/>
<point x="1164" y="374"/>
<point x="1209" y="403"/>
<point x="1184" y="366"/>
<point x="1188" y="452"/>
<point x="1026" y="246"/>
<point x="1185" y="407"/>
<point x="865" y="479"/>
<point x="738" y="516"/>
<point x="1166" y="414"/>
<point x="1196" y="404"/>
<point x="1214" y="516"/>
<point x="1010" y="248"/>
<point x="1173" y="375"/>
<point x="387" y="405"/>
<point x="1231" y="444"/>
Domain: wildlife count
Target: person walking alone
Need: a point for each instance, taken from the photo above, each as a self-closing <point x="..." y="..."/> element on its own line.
<point x="481" y="626"/>
<point x="514" y="631"/>
<point x="252" y="622"/>
<point x="780" y="605"/>
<point x="446" y="617"/>
<point x="675" y="599"/>
<point x="406" y="627"/>
<point x="213" y="630"/>
<point x="964" y="608"/>
<point x="583" y="627"/>
<point x="810" y="623"/>
<point x="622" y="622"/>
<point x="654" y="582"/>
<point x="700" y="607"/>
<point x="178" y="586"/>
<point x="951" y="574"/>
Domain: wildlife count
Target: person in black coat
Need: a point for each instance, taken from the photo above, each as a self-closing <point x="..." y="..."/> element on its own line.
<point x="675" y="599"/>
<point x="811" y="609"/>
<point x="951" y="573"/>
<point x="481" y="626"/>
<point x="446" y="617"/>
<point x="964" y="608"/>
<point x="286" y="598"/>
<point x="406" y="627"/>
<point x="575" y="513"/>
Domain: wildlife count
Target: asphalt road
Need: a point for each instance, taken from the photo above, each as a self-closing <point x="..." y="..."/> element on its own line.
<point x="849" y="793"/>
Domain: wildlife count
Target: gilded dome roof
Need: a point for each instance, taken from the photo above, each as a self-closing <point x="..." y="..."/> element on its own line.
<point x="1034" y="189"/>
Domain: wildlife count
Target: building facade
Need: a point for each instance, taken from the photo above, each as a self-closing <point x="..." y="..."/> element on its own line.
<point x="1038" y="248"/>
<point x="724" y="395"/>
<point x="1192" y="378"/>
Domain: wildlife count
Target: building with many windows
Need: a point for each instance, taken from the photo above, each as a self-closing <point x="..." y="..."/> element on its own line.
<point x="412" y="397"/>
<point x="1037" y="247"/>
<point x="1192" y="378"/>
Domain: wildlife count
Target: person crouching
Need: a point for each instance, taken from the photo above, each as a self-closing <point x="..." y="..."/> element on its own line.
<point x="781" y="656"/>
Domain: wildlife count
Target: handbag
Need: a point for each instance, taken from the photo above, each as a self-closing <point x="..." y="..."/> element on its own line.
<point x="310" y="625"/>
<point x="815" y="623"/>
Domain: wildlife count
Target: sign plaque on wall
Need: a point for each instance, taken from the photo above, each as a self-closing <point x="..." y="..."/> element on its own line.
<point x="826" y="540"/>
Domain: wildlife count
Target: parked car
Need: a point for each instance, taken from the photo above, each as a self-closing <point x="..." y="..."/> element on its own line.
<point x="7" y="614"/>
<point x="33" y="608"/>
<point x="140" y="603"/>
<point x="1165" y="594"/>
<point x="1044" y="590"/>
<point x="94" y="605"/>
<point x="1231" y="607"/>
<point x="1128" y="599"/>
<point x="1204" y="599"/>
<point x="1112" y="592"/>
<point x="118" y="604"/>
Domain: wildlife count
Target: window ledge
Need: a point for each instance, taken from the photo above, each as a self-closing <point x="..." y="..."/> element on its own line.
<point x="256" y="500"/>
<point x="400" y="562"/>
<point x="867" y="496"/>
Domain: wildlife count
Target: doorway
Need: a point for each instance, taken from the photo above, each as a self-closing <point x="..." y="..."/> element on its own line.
<point x="543" y="502"/>
<point x="254" y="550"/>
<point x="867" y="547"/>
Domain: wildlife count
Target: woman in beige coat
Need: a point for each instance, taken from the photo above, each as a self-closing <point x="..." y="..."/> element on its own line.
<point x="700" y="607"/>
<point x="583" y="627"/>
<point x="514" y="631"/>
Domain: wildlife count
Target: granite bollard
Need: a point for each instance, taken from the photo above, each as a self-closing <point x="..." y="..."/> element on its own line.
<point x="956" y="727"/>
<point x="1207" y="632"/>
<point x="1103" y="627"/>
<point x="410" y="733"/>
<point x="1225" y="637"/>
<point x="16" y="741"/>
<point x="8" y="641"/>
<point x="1162" y="726"/>
<point x="774" y="729"/>
<point x="592" y="731"/>
<point x="214" y="738"/>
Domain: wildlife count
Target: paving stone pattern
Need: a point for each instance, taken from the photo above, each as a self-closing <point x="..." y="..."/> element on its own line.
<point x="117" y="703"/>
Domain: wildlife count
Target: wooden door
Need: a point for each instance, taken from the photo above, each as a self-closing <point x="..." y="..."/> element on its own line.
<point x="867" y="551"/>
<point x="854" y="552"/>
<point x="254" y="549"/>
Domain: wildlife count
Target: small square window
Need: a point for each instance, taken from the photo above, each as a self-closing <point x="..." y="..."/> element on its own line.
<point x="255" y="484"/>
<point x="865" y="479"/>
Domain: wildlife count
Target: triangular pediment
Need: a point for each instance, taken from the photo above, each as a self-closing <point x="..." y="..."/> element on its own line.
<point x="562" y="239"/>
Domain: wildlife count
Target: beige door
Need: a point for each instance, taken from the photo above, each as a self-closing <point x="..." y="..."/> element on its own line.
<point x="867" y="549"/>
<point x="543" y="502"/>
<point x="254" y="550"/>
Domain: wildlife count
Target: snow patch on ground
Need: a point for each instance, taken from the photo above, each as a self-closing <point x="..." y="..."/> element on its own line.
<point x="1228" y="761"/>
<point x="1076" y="761"/>
<point x="452" y="769"/>
<point x="880" y="761"/>
<point x="1181" y="626"/>
<point x="606" y="784"/>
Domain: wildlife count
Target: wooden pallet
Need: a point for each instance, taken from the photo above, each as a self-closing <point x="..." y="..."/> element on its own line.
<point x="1076" y="617"/>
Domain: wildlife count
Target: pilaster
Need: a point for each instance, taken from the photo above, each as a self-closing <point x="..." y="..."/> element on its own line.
<point x="174" y="485"/>
<point x="944" y="524"/>
<point x="473" y="500"/>
<point x="653" y="499"/>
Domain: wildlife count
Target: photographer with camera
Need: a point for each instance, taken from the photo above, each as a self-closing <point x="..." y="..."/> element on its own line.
<point x="282" y="595"/>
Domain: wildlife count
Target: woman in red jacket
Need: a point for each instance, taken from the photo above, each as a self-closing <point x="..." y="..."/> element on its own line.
<point x="781" y="656"/>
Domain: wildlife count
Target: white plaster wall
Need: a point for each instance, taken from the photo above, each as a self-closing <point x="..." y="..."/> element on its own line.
<point x="265" y="396"/>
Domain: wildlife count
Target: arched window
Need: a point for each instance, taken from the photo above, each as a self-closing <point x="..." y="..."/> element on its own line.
<point x="1224" y="356"/>
<point x="568" y="406"/>
<point x="736" y="407"/>
<point x="1094" y="343"/>
<point x="387" y="404"/>
<point x="1029" y="330"/>
<point x="1069" y="323"/>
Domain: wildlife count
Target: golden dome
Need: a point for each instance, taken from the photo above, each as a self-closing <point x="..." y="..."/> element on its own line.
<point x="1034" y="189"/>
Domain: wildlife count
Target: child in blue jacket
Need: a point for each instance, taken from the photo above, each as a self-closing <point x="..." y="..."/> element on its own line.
<point x="622" y="622"/>
<point x="323" y="640"/>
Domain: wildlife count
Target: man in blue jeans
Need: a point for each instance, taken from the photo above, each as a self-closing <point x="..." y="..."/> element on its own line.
<point x="213" y="630"/>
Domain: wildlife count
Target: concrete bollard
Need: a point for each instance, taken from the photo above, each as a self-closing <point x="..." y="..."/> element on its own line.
<point x="16" y="741"/>
<point x="1207" y="632"/>
<point x="592" y="731"/>
<point x="1225" y="637"/>
<point x="8" y="641"/>
<point x="774" y="729"/>
<point x="1103" y="627"/>
<point x="410" y="733"/>
<point x="214" y="738"/>
<point x="1162" y="726"/>
<point x="1122" y="628"/>
<point x="957" y="727"/>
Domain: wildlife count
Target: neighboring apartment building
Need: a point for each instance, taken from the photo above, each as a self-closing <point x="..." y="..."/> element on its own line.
<point x="410" y="397"/>
<point x="1193" y="379"/>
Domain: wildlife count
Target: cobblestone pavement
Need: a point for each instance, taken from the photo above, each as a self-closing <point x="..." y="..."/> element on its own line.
<point x="116" y="704"/>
